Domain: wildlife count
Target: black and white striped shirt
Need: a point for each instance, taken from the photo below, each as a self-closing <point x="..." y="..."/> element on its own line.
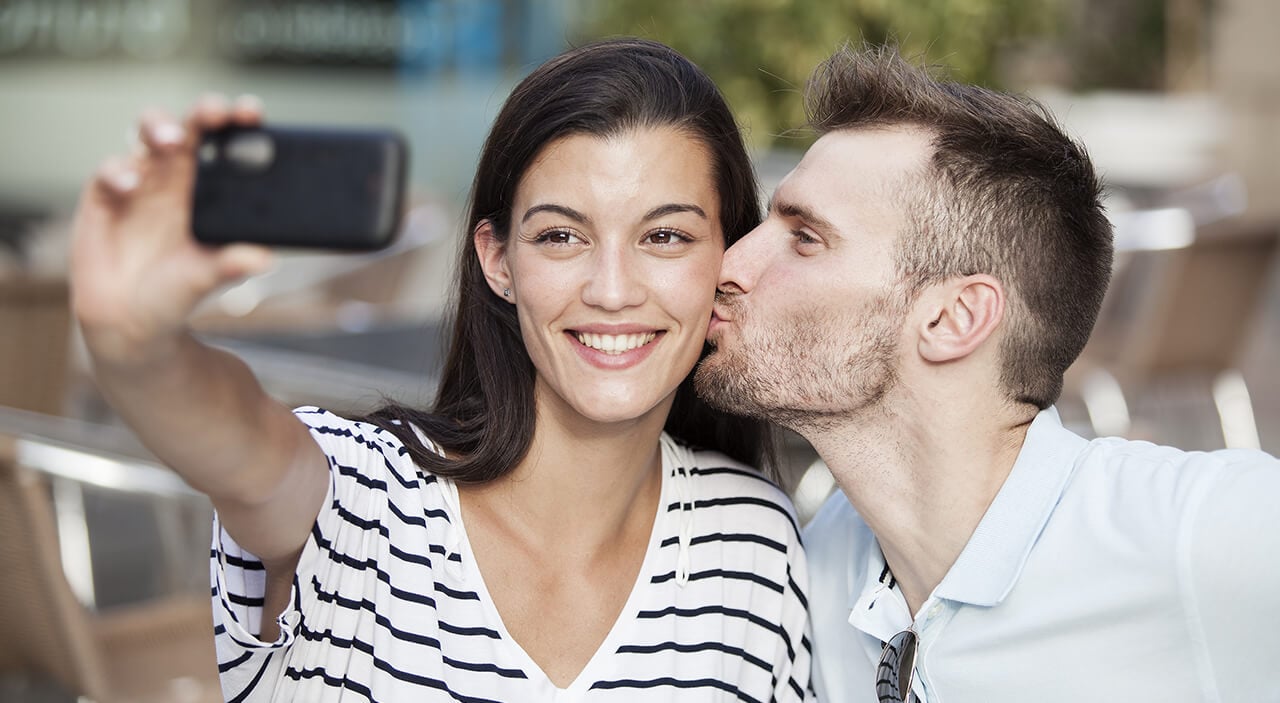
<point x="388" y="604"/>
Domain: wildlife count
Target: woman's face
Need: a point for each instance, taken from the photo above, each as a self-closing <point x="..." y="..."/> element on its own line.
<point x="612" y="265"/>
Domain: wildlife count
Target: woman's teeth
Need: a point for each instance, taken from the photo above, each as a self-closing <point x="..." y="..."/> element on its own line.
<point x="615" y="343"/>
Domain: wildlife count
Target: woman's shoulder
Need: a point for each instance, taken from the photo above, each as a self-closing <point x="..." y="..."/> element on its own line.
<point x="363" y="444"/>
<point x="717" y="468"/>
<point x="375" y="486"/>
<point x="742" y="492"/>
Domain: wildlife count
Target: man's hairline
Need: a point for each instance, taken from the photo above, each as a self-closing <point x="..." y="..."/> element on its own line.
<point x="902" y="191"/>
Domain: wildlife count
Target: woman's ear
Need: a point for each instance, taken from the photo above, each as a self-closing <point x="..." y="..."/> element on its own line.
<point x="492" y="255"/>
<point x="965" y="313"/>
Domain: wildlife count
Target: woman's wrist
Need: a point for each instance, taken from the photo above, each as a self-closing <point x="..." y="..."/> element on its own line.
<point x="127" y="352"/>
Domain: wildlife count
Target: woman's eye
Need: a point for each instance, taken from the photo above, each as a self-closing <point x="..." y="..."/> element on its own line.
<point x="665" y="236"/>
<point x="557" y="236"/>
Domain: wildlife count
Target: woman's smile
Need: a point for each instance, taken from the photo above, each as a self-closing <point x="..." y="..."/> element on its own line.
<point x="614" y="344"/>
<point x="612" y="267"/>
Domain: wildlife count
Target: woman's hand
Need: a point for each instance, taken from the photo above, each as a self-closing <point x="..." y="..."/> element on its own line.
<point x="136" y="270"/>
<point x="136" y="274"/>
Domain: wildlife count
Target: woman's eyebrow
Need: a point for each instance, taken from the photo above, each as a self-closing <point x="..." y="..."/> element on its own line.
<point x="672" y="208"/>
<point x="660" y="211"/>
<point x="557" y="209"/>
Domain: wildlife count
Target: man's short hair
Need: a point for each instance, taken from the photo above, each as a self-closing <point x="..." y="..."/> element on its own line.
<point x="1006" y="193"/>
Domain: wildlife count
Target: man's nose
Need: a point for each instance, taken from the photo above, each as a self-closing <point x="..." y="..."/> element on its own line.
<point x="742" y="262"/>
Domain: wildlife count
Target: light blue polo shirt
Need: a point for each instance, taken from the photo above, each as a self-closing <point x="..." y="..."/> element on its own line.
<point x="1104" y="570"/>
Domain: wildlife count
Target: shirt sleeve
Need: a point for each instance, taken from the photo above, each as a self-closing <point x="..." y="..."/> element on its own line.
<point x="1230" y="574"/>
<point x="363" y="461"/>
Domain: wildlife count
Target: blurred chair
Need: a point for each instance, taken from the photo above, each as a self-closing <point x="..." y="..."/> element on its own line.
<point x="1179" y="315"/>
<point x="156" y="651"/>
<point x="35" y="323"/>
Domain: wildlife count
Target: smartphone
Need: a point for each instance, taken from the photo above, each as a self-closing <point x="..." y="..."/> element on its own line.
<point x="294" y="186"/>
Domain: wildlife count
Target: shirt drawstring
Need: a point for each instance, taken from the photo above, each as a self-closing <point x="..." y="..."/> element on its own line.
<point x="453" y="536"/>
<point x="682" y="463"/>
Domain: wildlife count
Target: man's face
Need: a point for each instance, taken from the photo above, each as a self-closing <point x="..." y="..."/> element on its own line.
<point x="810" y="318"/>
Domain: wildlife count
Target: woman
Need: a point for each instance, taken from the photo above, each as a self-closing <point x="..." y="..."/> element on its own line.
<point x="537" y="535"/>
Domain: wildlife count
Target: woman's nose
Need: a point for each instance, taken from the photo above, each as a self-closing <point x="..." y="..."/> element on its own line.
<point x="614" y="280"/>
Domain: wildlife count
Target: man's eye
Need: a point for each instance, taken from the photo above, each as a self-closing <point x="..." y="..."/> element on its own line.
<point x="803" y="237"/>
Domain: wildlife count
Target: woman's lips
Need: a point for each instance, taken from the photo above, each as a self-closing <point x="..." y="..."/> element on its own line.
<point x="614" y="350"/>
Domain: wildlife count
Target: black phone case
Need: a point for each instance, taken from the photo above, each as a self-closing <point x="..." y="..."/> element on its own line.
<point x="322" y="188"/>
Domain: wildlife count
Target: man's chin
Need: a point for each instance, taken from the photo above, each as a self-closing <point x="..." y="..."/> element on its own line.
<point x="722" y="380"/>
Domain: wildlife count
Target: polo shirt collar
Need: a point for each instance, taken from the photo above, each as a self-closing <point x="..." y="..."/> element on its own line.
<point x="876" y="605"/>
<point x="995" y="555"/>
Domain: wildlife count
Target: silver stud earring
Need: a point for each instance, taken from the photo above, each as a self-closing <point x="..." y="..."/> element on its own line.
<point x="506" y="292"/>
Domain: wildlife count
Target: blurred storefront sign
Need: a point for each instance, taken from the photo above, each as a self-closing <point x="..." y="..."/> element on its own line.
<point x="74" y="75"/>
<point x="420" y="35"/>
<point x="433" y="35"/>
<point x="85" y="29"/>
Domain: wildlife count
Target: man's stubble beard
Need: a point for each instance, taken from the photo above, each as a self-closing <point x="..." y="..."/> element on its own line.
<point x="809" y="372"/>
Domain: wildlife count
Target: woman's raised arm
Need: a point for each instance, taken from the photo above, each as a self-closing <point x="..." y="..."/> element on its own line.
<point x="136" y="275"/>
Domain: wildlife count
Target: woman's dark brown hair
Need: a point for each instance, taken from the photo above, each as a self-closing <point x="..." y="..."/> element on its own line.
<point x="484" y="410"/>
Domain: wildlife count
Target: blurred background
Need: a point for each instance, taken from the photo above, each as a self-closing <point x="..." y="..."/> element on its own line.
<point x="103" y="576"/>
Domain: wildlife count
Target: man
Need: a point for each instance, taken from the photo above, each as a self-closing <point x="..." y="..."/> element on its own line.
<point x="923" y="279"/>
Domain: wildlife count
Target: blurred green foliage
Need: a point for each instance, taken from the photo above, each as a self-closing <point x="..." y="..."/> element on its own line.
<point x="761" y="51"/>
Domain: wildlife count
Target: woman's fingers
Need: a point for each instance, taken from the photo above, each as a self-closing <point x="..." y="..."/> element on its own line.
<point x="213" y="111"/>
<point x="117" y="177"/>
<point x="237" y="261"/>
<point x="246" y="110"/>
<point x="156" y="177"/>
<point x="160" y="133"/>
<point x="137" y="271"/>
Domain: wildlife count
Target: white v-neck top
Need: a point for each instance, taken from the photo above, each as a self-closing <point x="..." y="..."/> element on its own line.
<point x="389" y="605"/>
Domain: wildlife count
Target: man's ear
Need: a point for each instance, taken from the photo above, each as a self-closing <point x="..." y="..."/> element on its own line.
<point x="492" y="255"/>
<point x="963" y="314"/>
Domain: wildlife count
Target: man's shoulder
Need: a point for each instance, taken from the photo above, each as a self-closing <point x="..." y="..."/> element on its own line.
<point x="835" y="514"/>
<point x="836" y="532"/>
<point x="1116" y="459"/>
<point x="1158" y="495"/>
<point x="1215" y="482"/>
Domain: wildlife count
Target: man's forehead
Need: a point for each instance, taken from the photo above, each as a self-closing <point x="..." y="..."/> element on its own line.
<point x="869" y="162"/>
<point x="852" y="178"/>
<point x="873" y="153"/>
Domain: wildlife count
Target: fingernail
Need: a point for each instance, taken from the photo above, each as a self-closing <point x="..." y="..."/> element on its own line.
<point x="169" y="133"/>
<point x="125" y="180"/>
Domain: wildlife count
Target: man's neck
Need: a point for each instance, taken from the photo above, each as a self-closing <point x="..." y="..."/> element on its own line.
<point x="922" y="476"/>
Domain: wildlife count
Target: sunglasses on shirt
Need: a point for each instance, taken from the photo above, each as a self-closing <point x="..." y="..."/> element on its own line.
<point x="897" y="668"/>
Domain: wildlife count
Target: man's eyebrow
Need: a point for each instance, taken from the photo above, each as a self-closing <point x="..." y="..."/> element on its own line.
<point x="557" y="209"/>
<point x="672" y="208"/>
<point x="790" y="209"/>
